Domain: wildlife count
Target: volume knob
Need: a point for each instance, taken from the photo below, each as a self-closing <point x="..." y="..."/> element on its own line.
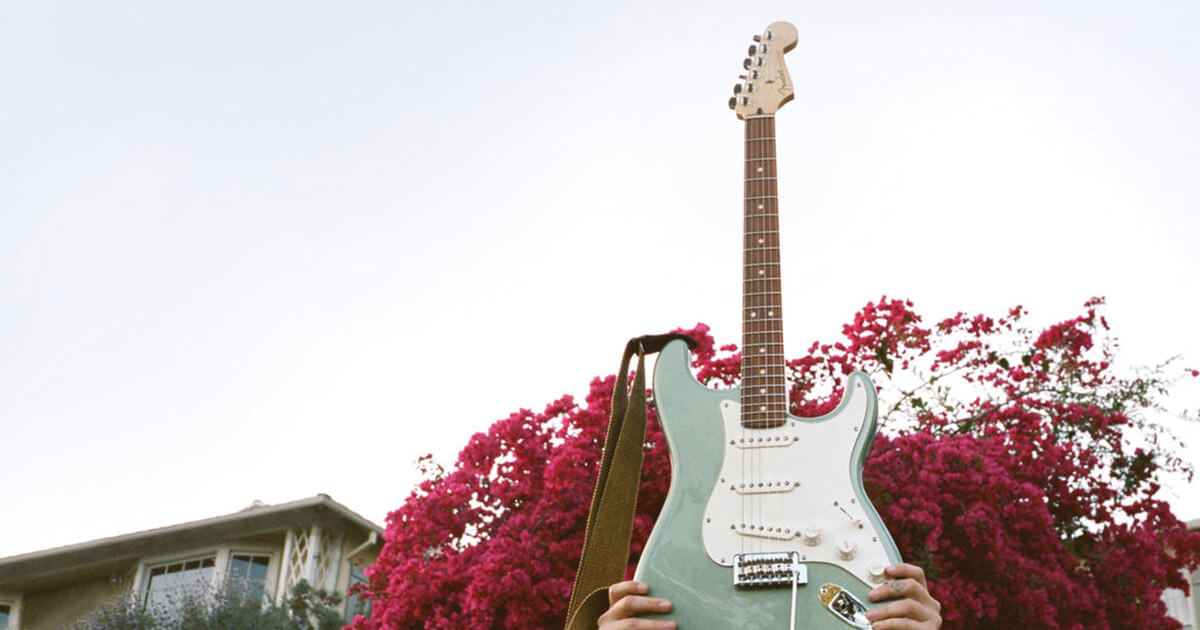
<point x="811" y="536"/>
<point x="846" y="550"/>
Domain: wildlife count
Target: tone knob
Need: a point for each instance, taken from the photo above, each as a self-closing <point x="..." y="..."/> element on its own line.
<point x="876" y="574"/>
<point x="846" y="550"/>
<point x="811" y="536"/>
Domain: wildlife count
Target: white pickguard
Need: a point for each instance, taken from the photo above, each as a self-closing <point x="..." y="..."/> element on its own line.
<point x="789" y="489"/>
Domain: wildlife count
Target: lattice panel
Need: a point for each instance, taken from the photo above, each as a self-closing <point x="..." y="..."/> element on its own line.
<point x="325" y="565"/>
<point x="296" y="564"/>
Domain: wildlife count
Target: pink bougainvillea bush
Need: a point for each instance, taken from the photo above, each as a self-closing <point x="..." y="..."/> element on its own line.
<point x="1016" y="465"/>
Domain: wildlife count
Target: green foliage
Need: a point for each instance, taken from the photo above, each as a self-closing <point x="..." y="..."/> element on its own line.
<point x="229" y="608"/>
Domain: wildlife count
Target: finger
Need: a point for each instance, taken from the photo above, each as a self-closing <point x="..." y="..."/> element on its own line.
<point x="896" y="589"/>
<point x="906" y="570"/>
<point x="903" y="624"/>
<point x="633" y="605"/>
<point x="629" y="587"/>
<point x="638" y="624"/>
<point x="903" y="609"/>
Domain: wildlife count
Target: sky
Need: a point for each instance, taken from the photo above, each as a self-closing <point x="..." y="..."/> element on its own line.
<point x="262" y="250"/>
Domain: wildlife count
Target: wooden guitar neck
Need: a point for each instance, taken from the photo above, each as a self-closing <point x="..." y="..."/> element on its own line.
<point x="764" y="383"/>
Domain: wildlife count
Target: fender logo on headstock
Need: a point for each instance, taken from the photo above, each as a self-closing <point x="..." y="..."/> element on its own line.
<point x="782" y="78"/>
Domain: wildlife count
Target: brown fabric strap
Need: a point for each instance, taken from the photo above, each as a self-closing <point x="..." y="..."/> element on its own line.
<point x="614" y="501"/>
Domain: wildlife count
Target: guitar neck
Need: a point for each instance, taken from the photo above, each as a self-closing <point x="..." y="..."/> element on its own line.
<point x="764" y="384"/>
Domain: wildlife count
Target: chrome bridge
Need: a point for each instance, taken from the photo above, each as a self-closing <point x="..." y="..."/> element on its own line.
<point x="759" y="570"/>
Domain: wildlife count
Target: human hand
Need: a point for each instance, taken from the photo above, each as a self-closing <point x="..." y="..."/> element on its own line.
<point x="627" y="599"/>
<point x="915" y="608"/>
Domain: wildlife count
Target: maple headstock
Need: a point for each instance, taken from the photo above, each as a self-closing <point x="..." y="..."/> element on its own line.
<point x="766" y="86"/>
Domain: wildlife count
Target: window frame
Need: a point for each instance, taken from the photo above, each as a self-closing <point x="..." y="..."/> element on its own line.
<point x="222" y="560"/>
<point x="13" y="601"/>
<point x="273" y="563"/>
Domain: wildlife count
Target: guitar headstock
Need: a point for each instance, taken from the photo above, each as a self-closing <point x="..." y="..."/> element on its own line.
<point x="766" y="85"/>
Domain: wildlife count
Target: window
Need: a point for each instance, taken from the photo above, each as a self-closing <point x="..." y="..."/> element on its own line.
<point x="176" y="579"/>
<point x="5" y="611"/>
<point x="249" y="572"/>
<point x="354" y="605"/>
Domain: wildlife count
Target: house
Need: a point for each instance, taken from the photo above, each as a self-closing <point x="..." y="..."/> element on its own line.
<point x="1185" y="606"/>
<point x="267" y="547"/>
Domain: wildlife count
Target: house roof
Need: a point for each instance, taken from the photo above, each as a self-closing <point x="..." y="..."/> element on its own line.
<point x="105" y="555"/>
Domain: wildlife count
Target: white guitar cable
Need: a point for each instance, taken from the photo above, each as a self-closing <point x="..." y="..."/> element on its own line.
<point x="795" y="580"/>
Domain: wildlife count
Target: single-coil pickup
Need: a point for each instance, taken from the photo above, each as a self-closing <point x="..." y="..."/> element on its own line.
<point x="763" y="487"/>
<point x="759" y="530"/>
<point x="764" y="441"/>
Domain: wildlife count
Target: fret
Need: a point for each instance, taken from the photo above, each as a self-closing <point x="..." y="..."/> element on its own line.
<point x="759" y="139"/>
<point x="760" y="179"/>
<point x="762" y="197"/>
<point x="761" y="159"/>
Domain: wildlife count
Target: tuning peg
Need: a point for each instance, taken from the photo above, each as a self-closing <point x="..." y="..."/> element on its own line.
<point x="745" y="100"/>
<point x="746" y="63"/>
<point x="750" y="87"/>
<point x="758" y="38"/>
<point x="754" y="74"/>
<point x="737" y="88"/>
<point x="764" y="49"/>
<point x="732" y="102"/>
<point x="770" y="34"/>
<point x="758" y="61"/>
<point x="752" y="50"/>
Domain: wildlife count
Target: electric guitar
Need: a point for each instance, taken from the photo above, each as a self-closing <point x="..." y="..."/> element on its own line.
<point x="766" y="524"/>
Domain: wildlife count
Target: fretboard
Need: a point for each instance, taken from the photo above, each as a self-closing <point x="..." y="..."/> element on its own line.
<point x="764" y="387"/>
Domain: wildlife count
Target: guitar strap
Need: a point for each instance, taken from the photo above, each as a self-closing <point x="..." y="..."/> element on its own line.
<point x="614" y="501"/>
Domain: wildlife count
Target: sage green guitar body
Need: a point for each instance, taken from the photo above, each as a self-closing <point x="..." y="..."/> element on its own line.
<point x="675" y="562"/>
